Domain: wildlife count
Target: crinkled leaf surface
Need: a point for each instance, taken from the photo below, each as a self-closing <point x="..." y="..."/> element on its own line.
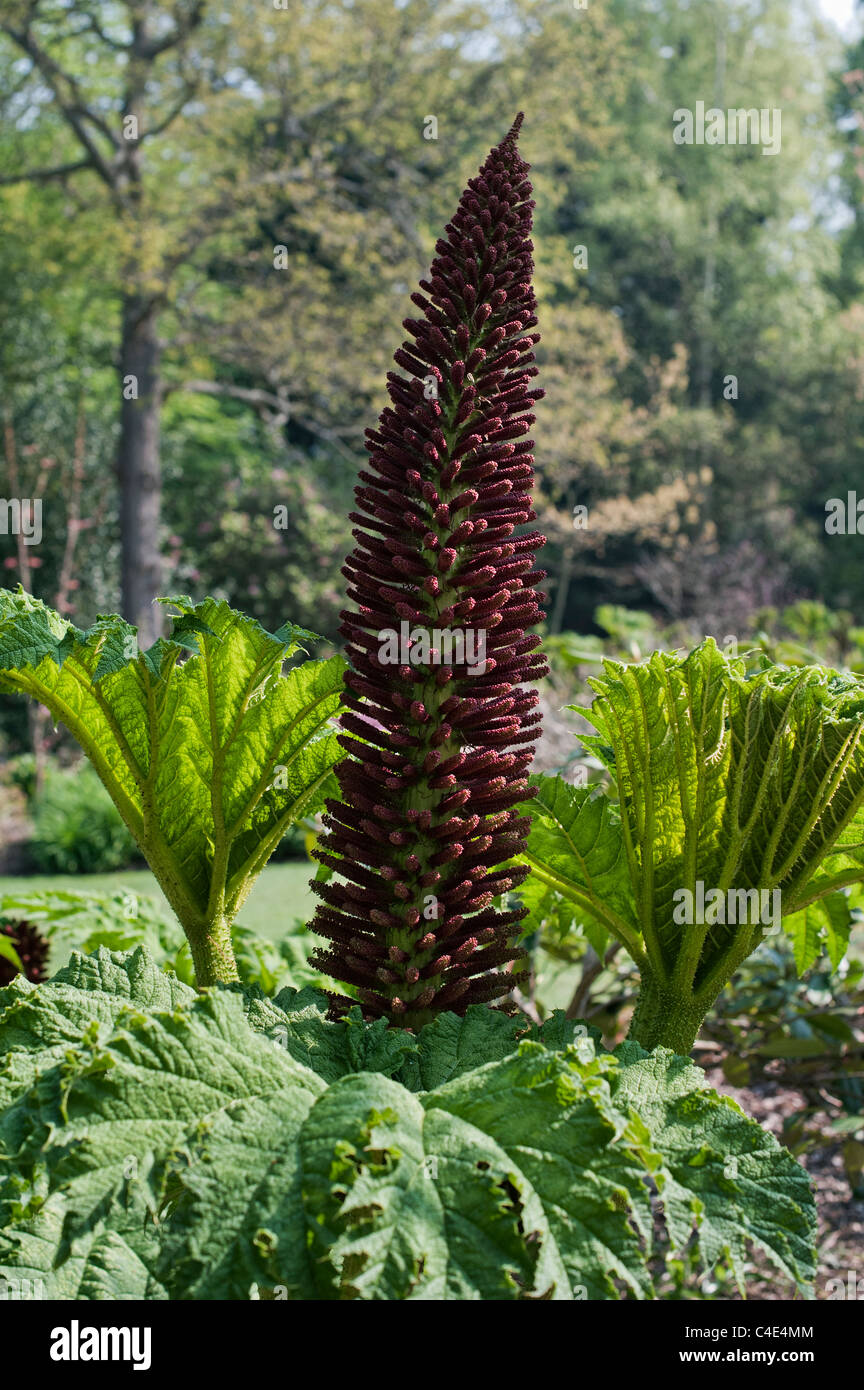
<point x="738" y="782"/>
<point x="577" y="849"/>
<point x="723" y="1175"/>
<point x="157" y="1142"/>
<point x="109" y="1068"/>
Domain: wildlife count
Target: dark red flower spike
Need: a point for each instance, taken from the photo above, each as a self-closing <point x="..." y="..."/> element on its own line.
<point x="32" y="952"/>
<point x="442" y="716"/>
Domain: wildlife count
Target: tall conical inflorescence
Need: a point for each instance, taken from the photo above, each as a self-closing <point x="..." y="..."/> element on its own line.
<point x="439" y="727"/>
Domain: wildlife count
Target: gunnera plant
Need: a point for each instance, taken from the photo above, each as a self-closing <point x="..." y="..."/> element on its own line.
<point x="440" y="723"/>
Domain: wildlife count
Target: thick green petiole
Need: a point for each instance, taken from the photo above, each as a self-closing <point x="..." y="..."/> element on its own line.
<point x="213" y="954"/>
<point x="664" y="1016"/>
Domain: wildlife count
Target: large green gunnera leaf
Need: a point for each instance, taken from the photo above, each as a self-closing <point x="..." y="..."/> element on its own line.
<point x="740" y="803"/>
<point x="207" y="749"/>
<point x="155" y="1142"/>
<point x="109" y="1069"/>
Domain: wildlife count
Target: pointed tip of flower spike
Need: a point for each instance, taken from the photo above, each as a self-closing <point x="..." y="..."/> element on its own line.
<point x="515" y="128"/>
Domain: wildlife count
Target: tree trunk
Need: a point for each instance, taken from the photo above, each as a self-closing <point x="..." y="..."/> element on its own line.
<point x="565" y="570"/>
<point x="37" y="726"/>
<point x="562" y="587"/>
<point x="139" y="468"/>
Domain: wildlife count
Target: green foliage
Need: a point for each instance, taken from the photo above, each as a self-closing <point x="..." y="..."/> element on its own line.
<point x="811" y="1024"/>
<point x="159" y="1143"/>
<point x="569" y="650"/>
<point x="117" y="921"/>
<point x="683" y="243"/>
<point x="20" y="772"/>
<point x="77" y="829"/>
<point x="272" y="966"/>
<point x="208" y="751"/>
<point x="634" y="632"/>
<point x="8" y="952"/>
<point x="806" y="1036"/>
<point x="772" y="1012"/>
<point x="734" y="782"/>
<point x="122" y="920"/>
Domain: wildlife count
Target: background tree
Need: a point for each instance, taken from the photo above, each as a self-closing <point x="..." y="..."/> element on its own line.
<point x="203" y="140"/>
<point x="282" y="195"/>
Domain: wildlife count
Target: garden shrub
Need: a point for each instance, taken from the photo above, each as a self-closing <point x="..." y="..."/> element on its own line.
<point x="77" y="829"/>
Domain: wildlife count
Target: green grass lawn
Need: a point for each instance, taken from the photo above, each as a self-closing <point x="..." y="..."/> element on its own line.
<point x="280" y="894"/>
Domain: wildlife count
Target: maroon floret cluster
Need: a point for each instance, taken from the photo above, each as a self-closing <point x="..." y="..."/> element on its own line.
<point x="440" y="724"/>
<point x="32" y="952"/>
